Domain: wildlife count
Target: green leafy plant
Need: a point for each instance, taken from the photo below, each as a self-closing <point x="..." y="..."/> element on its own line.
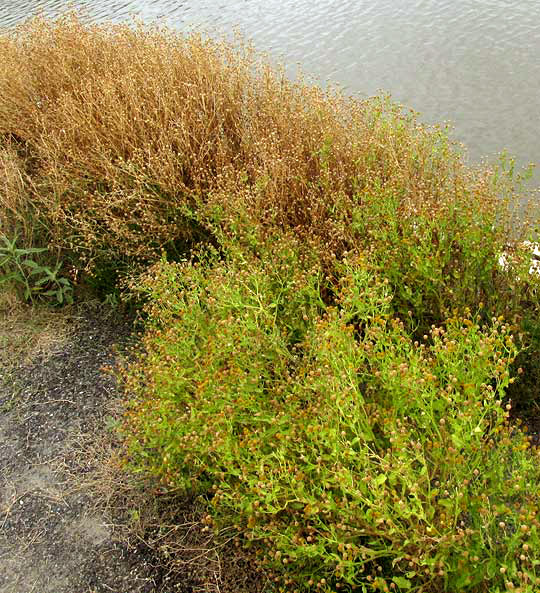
<point x="436" y="261"/>
<point x="347" y="454"/>
<point x="19" y="266"/>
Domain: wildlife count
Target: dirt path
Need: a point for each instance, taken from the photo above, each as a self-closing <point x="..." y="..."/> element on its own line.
<point x="52" y="540"/>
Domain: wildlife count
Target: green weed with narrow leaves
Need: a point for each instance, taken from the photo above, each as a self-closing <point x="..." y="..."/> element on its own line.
<point x="20" y="266"/>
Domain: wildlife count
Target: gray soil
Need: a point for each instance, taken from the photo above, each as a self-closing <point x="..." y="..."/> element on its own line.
<point x="53" y="538"/>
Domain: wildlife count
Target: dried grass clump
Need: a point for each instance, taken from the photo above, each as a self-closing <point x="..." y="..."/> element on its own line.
<point x="15" y="201"/>
<point x="29" y="332"/>
<point x="119" y="139"/>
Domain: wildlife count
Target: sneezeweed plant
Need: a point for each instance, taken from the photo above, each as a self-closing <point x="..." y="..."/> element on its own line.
<point x="332" y="406"/>
<point x="438" y="261"/>
<point x="346" y="454"/>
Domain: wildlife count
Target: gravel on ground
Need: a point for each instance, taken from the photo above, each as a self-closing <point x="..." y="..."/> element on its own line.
<point x="52" y="538"/>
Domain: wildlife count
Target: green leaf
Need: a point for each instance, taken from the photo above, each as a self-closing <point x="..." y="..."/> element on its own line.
<point x="402" y="582"/>
<point x="380" y="479"/>
<point x="9" y="245"/>
<point x="410" y="574"/>
<point x="5" y="260"/>
<point x="8" y="277"/>
<point x="458" y="443"/>
<point x="30" y="250"/>
<point x="491" y="567"/>
<point x="447" y="503"/>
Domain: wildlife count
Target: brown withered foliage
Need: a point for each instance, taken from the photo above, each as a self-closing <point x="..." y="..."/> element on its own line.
<point x="118" y="141"/>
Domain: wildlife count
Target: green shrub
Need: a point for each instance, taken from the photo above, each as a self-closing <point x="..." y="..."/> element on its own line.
<point x="437" y="261"/>
<point x="349" y="456"/>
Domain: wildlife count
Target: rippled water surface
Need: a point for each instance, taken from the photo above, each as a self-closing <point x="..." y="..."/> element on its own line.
<point x="473" y="62"/>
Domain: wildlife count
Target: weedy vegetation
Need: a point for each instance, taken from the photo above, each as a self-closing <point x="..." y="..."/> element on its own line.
<point x="20" y="268"/>
<point x="332" y="350"/>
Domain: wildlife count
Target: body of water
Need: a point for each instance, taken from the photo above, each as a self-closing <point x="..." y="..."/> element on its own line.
<point x="475" y="63"/>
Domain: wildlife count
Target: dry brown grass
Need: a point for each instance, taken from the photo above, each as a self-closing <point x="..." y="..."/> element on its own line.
<point x="110" y="133"/>
<point x="30" y="331"/>
<point x="14" y="194"/>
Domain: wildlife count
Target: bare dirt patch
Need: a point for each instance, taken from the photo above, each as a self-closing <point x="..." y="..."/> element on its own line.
<point x="52" y="539"/>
